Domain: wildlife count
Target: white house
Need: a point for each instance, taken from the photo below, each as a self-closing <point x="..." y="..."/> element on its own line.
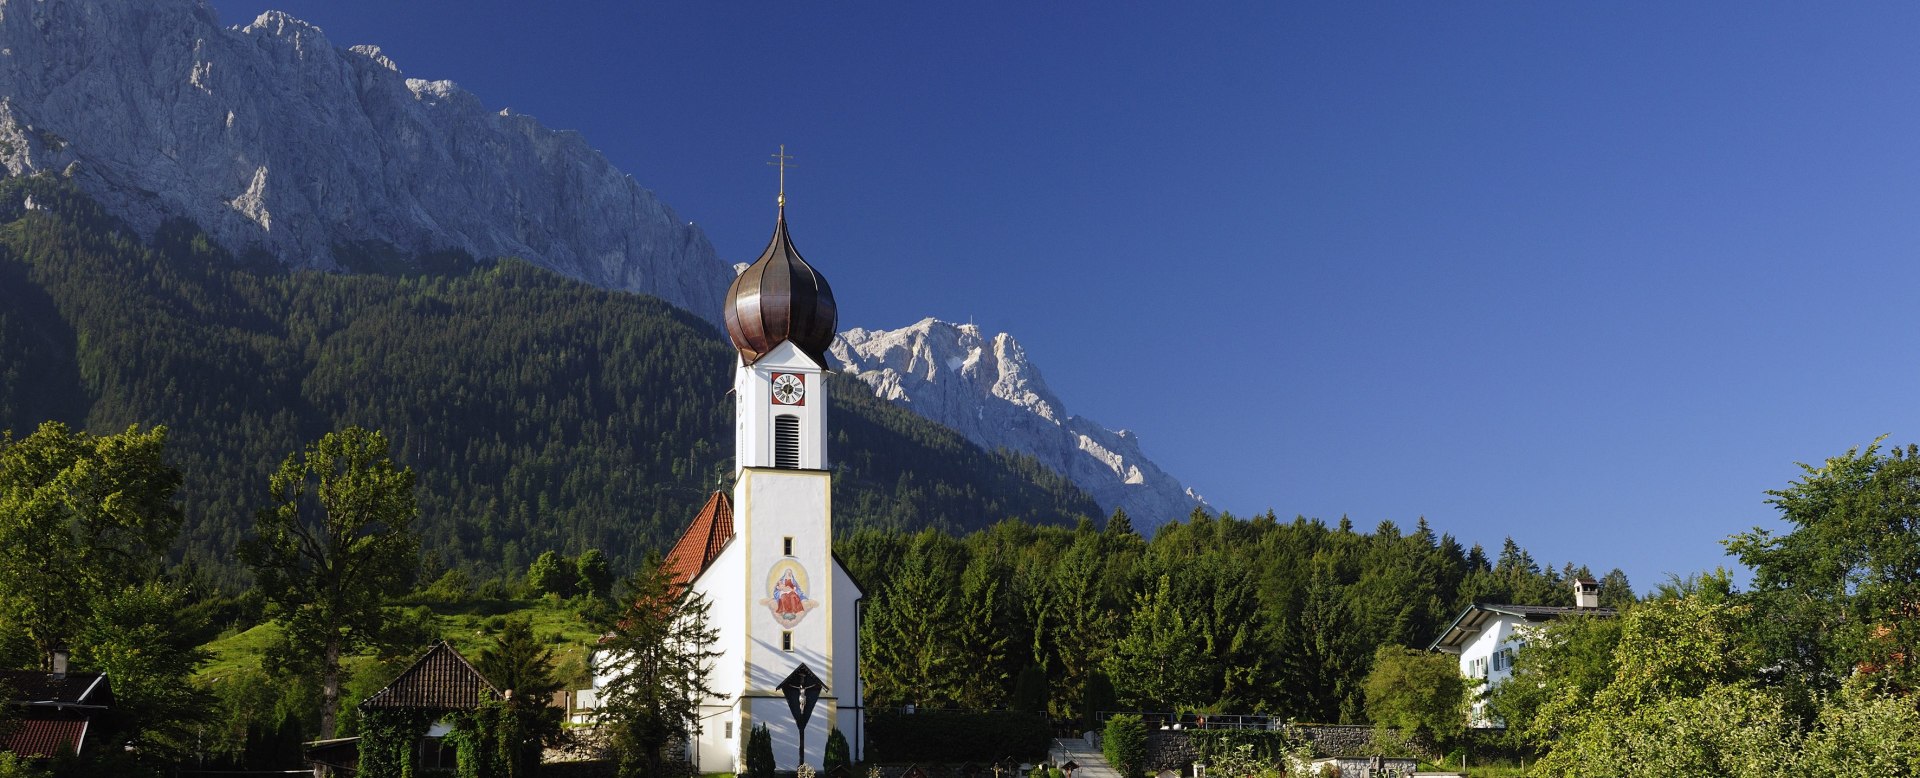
<point x="785" y="609"/>
<point x="1485" y="637"/>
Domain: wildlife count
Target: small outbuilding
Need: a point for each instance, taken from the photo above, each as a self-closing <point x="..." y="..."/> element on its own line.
<point x="438" y="683"/>
<point x="57" y="712"/>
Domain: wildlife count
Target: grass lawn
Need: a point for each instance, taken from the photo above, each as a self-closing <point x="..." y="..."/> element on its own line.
<point x="468" y="626"/>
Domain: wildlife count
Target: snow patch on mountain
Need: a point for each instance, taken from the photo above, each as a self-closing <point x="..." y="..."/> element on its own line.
<point x="985" y="389"/>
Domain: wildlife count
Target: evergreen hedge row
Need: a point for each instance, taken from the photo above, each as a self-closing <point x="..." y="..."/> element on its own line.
<point x="957" y="736"/>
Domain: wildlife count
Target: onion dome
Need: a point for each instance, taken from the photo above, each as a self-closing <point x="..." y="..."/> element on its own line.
<point x="780" y="299"/>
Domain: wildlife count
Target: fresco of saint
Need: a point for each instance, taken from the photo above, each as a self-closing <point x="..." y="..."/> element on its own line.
<point x="787" y="594"/>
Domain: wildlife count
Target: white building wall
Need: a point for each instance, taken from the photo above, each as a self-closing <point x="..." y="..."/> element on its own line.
<point x="1478" y="664"/>
<point x="771" y="507"/>
<point x="717" y="746"/>
<point x="850" y="696"/>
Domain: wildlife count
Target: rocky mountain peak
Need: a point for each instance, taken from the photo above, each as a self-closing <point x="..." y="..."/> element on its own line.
<point x="276" y="142"/>
<point x="986" y="389"/>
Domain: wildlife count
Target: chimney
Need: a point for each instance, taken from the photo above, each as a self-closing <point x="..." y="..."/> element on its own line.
<point x="59" y="663"/>
<point x="1586" y="593"/>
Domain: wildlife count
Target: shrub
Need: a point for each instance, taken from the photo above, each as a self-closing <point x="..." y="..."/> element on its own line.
<point x="956" y="736"/>
<point x="760" y="752"/>
<point x="1125" y="744"/>
<point x="838" y="755"/>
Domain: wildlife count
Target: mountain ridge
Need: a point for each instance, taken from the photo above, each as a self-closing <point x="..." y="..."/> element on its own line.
<point x="998" y="399"/>
<point x="274" y="140"/>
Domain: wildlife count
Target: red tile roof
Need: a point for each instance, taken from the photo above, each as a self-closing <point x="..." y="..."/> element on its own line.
<point x="46" y="737"/>
<point x="702" y="541"/>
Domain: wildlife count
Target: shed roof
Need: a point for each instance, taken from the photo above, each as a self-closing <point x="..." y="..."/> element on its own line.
<point x="46" y="736"/>
<point x="442" y="679"/>
<point x="38" y="687"/>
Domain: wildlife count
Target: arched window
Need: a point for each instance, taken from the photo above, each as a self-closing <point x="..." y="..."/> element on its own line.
<point x="786" y="441"/>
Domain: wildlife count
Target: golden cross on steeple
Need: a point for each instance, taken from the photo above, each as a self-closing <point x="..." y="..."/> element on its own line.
<point x="782" y="160"/>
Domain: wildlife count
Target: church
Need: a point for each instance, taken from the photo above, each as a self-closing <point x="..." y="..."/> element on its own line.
<point x="785" y="609"/>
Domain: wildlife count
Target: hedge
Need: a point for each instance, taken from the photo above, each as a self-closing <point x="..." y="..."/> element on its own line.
<point x="957" y="736"/>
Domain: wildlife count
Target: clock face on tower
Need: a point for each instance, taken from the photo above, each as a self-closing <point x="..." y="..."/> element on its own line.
<point x="789" y="389"/>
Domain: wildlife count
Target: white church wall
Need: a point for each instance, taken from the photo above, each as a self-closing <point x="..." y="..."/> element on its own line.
<point x="785" y="734"/>
<point x="724" y="585"/>
<point x="848" y="696"/>
<point x="776" y="505"/>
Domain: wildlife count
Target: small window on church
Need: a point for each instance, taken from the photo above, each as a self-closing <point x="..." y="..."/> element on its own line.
<point x="786" y="641"/>
<point x="729" y="732"/>
<point x="786" y="546"/>
<point x="786" y="441"/>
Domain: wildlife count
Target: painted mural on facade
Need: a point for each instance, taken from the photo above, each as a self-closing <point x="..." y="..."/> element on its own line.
<point x="787" y="593"/>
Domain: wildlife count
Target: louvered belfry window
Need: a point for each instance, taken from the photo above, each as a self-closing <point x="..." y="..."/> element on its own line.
<point x="786" y="442"/>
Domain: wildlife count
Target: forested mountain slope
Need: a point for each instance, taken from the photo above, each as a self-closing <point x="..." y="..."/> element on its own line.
<point x="541" y="413"/>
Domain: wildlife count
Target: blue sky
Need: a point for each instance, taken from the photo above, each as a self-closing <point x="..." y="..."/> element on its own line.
<point x="1590" y="275"/>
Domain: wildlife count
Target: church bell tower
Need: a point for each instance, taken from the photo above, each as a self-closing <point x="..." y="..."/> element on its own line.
<point x="780" y="315"/>
<point x="796" y="642"/>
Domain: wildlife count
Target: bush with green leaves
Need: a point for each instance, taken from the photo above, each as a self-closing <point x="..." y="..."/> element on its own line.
<point x="1124" y="742"/>
<point x="1240" y="752"/>
<point x="12" y="766"/>
<point x="1417" y="691"/>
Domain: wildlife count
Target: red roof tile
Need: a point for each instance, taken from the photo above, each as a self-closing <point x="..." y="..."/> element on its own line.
<point x="702" y="541"/>
<point x="46" y="737"/>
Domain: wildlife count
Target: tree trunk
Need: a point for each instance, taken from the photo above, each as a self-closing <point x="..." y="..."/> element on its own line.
<point x="330" y="688"/>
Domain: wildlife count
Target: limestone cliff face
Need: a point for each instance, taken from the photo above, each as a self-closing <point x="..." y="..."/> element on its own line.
<point x="987" y="390"/>
<point x="273" y="139"/>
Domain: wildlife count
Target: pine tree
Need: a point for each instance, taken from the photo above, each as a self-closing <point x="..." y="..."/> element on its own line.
<point x="759" y="756"/>
<point x="908" y="639"/>
<point x="1162" y="662"/>
<point x="658" y="651"/>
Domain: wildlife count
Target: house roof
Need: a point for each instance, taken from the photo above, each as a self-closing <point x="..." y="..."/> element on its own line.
<point x="341" y="753"/>
<point x="46" y="736"/>
<point x="41" y="688"/>
<point x="1472" y="620"/>
<point x="440" y="680"/>
<point x="701" y="543"/>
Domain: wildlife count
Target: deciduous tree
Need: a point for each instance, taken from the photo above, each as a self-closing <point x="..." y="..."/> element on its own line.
<point x="81" y="518"/>
<point x="1417" y="691"/>
<point x="336" y="545"/>
<point x="1845" y="580"/>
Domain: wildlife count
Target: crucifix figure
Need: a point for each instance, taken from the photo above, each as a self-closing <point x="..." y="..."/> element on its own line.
<point x="802" y="689"/>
